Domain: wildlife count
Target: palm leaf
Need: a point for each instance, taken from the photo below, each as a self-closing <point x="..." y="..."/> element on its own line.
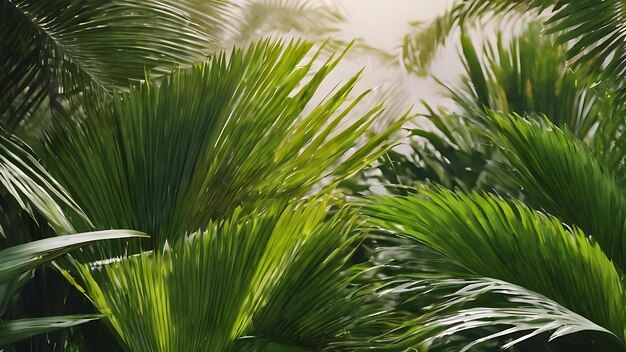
<point x="168" y="158"/>
<point x="316" y="20"/>
<point x="482" y="314"/>
<point x="16" y="265"/>
<point x="561" y="175"/>
<point x="530" y="76"/>
<point x="440" y="306"/>
<point x="24" y="179"/>
<point x="510" y="242"/>
<point x="16" y="330"/>
<point x="21" y="258"/>
<point x="421" y="42"/>
<point x="276" y="276"/>
<point x="53" y="50"/>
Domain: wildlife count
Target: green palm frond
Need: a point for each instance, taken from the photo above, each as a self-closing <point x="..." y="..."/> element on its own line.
<point x="454" y="155"/>
<point x="481" y="314"/>
<point x="507" y="241"/>
<point x="16" y="268"/>
<point x="277" y="275"/>
<point x="16" y="330"/>
<point x="561" y="175"/>
<point x="529" y="76"/>
<point x="21" y="258"/>
<point x="50" y="51"/>
<point x="421" y="43"/>
<point x="33" y="206"/>
<point x="24" y="179"/>
<point x="168" y="158"/>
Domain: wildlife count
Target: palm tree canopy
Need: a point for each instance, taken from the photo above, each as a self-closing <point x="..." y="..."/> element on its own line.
<point x="167" y="158"/>
<point x="592" y="30"/>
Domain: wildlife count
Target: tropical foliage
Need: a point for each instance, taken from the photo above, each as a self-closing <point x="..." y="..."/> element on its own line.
<point x="173" y="154"/>
<point x="529" y="76"/>
<point x="502" y="226"/>
<point x="275" y="275"/>
<point x="533" y="150"/>
<point x="17" y="265"/>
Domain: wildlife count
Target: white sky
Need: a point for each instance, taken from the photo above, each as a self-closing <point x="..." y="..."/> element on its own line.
<point x="383" y="24"/>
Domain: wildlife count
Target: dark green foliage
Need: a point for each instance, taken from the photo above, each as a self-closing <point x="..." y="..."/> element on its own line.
<point x="17" y="265"/>
<point x="560" y="175"/>
<point x="232" y="164"/>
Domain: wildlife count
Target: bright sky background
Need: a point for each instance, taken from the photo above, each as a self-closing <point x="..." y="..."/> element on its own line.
<point x="383" y="24"/>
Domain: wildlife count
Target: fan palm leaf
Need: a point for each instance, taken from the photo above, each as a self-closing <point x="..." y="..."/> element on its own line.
<point x="276" y="276"/>
<point x="168" y="158"/>
<point x="507" y="241"/>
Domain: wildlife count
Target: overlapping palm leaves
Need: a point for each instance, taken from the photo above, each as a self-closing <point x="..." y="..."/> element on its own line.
<point x="30" y="201"/>
<point x="53" y="51"/>
<point x="529" y="76"/>
<point x="207" y="139"/>
<point x="25" y="180"/>
<point x="243" y="108"/>
<point x="505" y="240"/>
<point x="220" y="140"/>
<point x="276" y="273"/>
<point x="559" y="165"/>
<point x="214" y="161"/>
<point x="17" y="265"/>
